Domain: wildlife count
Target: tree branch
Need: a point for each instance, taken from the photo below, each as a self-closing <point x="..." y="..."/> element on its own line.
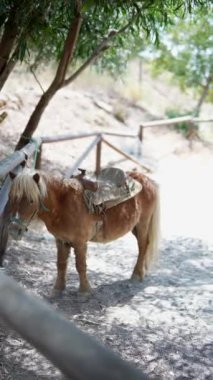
<point x="36" y="79"/>
<point x="68" y="50"/>
<point x="104" y="45"/>
<point x="58" y="80"/>
<point x="203" y="95"/>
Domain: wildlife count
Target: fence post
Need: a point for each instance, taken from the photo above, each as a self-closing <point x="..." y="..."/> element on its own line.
<point x="192" y="132"/>
<point x="140" y="137"/>
<point x="3" y="219"/>
<point x="3" y="237"/>
<point x="38" y="158"/>
<point x="75" y="353"/>
<point x="98" y="158"/>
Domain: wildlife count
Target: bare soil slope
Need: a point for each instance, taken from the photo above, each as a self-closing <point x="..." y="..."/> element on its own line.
<point x="163" y="325"/>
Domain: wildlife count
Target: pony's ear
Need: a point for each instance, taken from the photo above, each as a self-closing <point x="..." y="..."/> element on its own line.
<point x="36" y="177"/>
<point x="12" y="175"/>
<point x="23" y="163"/>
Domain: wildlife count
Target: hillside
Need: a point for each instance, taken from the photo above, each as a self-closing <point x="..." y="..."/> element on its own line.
<point x="163" y="324"/>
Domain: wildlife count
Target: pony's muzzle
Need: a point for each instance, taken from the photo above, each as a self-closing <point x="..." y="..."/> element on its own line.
<point x="16" y="231"/>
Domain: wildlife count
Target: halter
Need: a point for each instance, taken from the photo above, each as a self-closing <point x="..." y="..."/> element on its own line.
<point x="24" y="225"/>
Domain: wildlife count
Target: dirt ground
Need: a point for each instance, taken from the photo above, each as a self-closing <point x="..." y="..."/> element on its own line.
<point x="163" y="325"/>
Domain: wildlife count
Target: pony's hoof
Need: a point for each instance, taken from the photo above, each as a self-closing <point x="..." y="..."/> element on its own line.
<point x="84" y="296"/>
<point x="57" y="293"/>
<point x="136" y="277"/>
<point x="85" y="292"/>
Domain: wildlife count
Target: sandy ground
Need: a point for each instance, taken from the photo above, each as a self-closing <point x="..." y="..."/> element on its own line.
<point x="163" y="325"/>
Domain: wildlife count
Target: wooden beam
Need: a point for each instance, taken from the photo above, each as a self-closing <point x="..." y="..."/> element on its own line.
<point x="143" y="166"/>
<point x="71" y="136"/>
<point x="15" y="159"/>
<point x="175" y="120"/>
<point x="198" y="120"/>
<point x="98" y="158"/>
<point x="67" y="137"/>
<point x="78" y="355"/>
<point x="119" y="134"/>
<point x="70" y="172"/>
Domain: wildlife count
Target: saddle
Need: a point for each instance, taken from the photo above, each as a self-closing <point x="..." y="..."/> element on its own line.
<point x="111" y="187"/>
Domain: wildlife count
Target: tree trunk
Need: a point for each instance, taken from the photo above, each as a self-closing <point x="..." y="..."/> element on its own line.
<point x="60" y="77"/>
<point x="203" y="96"/>
<point x="56" y="84"/>
<point x="6" y="72"/>
<point x="6" y="47"/>
<point x="36" y="116"/>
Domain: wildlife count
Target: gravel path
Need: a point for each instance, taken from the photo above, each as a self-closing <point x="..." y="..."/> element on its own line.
<point x="162" y="325"/>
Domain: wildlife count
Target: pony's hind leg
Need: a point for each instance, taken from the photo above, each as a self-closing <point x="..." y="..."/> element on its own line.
<point x="147" y="231"/>
<point x="80" y="250"/>
<point x="141" y="234"/>
<point x="63" y="251"/>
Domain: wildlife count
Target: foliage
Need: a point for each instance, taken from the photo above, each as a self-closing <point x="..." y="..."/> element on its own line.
<point x="182" y="127"/>
<point x="186" y="51"/>
<point x="43" y="25"/>
<point x="40" y="30"/>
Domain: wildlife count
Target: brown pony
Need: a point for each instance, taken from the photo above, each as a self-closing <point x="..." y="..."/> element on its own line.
<point x="59" y="203"/>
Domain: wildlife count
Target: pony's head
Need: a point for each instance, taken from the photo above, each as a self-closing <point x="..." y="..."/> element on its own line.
<point x="27" y="191"/>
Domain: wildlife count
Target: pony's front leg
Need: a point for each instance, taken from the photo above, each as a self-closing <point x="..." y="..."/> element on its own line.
<point x="80" y="250"/>
<point x="63" y="251"/>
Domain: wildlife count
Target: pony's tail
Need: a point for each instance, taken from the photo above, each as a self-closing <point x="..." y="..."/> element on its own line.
<point x="152" y="250"/>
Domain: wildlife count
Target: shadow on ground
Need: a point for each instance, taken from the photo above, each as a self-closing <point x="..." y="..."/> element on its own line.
<point x="161" y="325"/>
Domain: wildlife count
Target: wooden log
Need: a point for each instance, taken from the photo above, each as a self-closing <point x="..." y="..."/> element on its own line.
<point x="38" y="159"/>
<point x="67" y="137"/>
<point x="6" y="165"/>
<point x="140" y="140"/>
<point x="4" y="221"/>
<point x="143" y="166"/>
<point x="119" y="134"/>
<point x="198" y="120"/>
<point x="74" y="352"/>
<point x="4" y="216"/>
<point x="98" y="158"/>
<point x="166" y="122"/>
<point x="70" y="172"/>
<point x="9" y="163"/>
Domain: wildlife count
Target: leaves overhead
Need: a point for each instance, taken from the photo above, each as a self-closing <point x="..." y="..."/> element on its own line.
<point x="43" y="25"/>
<point x="186" y="51"/>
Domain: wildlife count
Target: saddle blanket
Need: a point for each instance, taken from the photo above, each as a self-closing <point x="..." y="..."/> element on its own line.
<point x="114" y="187"/>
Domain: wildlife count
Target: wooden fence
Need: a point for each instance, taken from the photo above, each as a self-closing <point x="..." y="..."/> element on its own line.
<point x="12" y="162"/>
<point x="99" y="138"/>
<point x="35" y="147"/>
<point x="73" y="351"/>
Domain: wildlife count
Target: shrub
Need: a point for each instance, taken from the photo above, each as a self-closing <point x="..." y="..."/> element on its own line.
<point x="183" y="127"/>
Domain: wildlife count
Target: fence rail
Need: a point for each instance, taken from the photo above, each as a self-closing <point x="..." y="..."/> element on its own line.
<point x="15" y="159"/>
<point x="72" y="351"/>
<point x="174" y="121"/>
<point x="13" y="163"/>
<point x="97" y="142"/>
<point x="75" y="353"/>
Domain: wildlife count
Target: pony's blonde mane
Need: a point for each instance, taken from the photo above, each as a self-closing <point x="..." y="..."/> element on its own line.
<point x="25" y="185"/>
